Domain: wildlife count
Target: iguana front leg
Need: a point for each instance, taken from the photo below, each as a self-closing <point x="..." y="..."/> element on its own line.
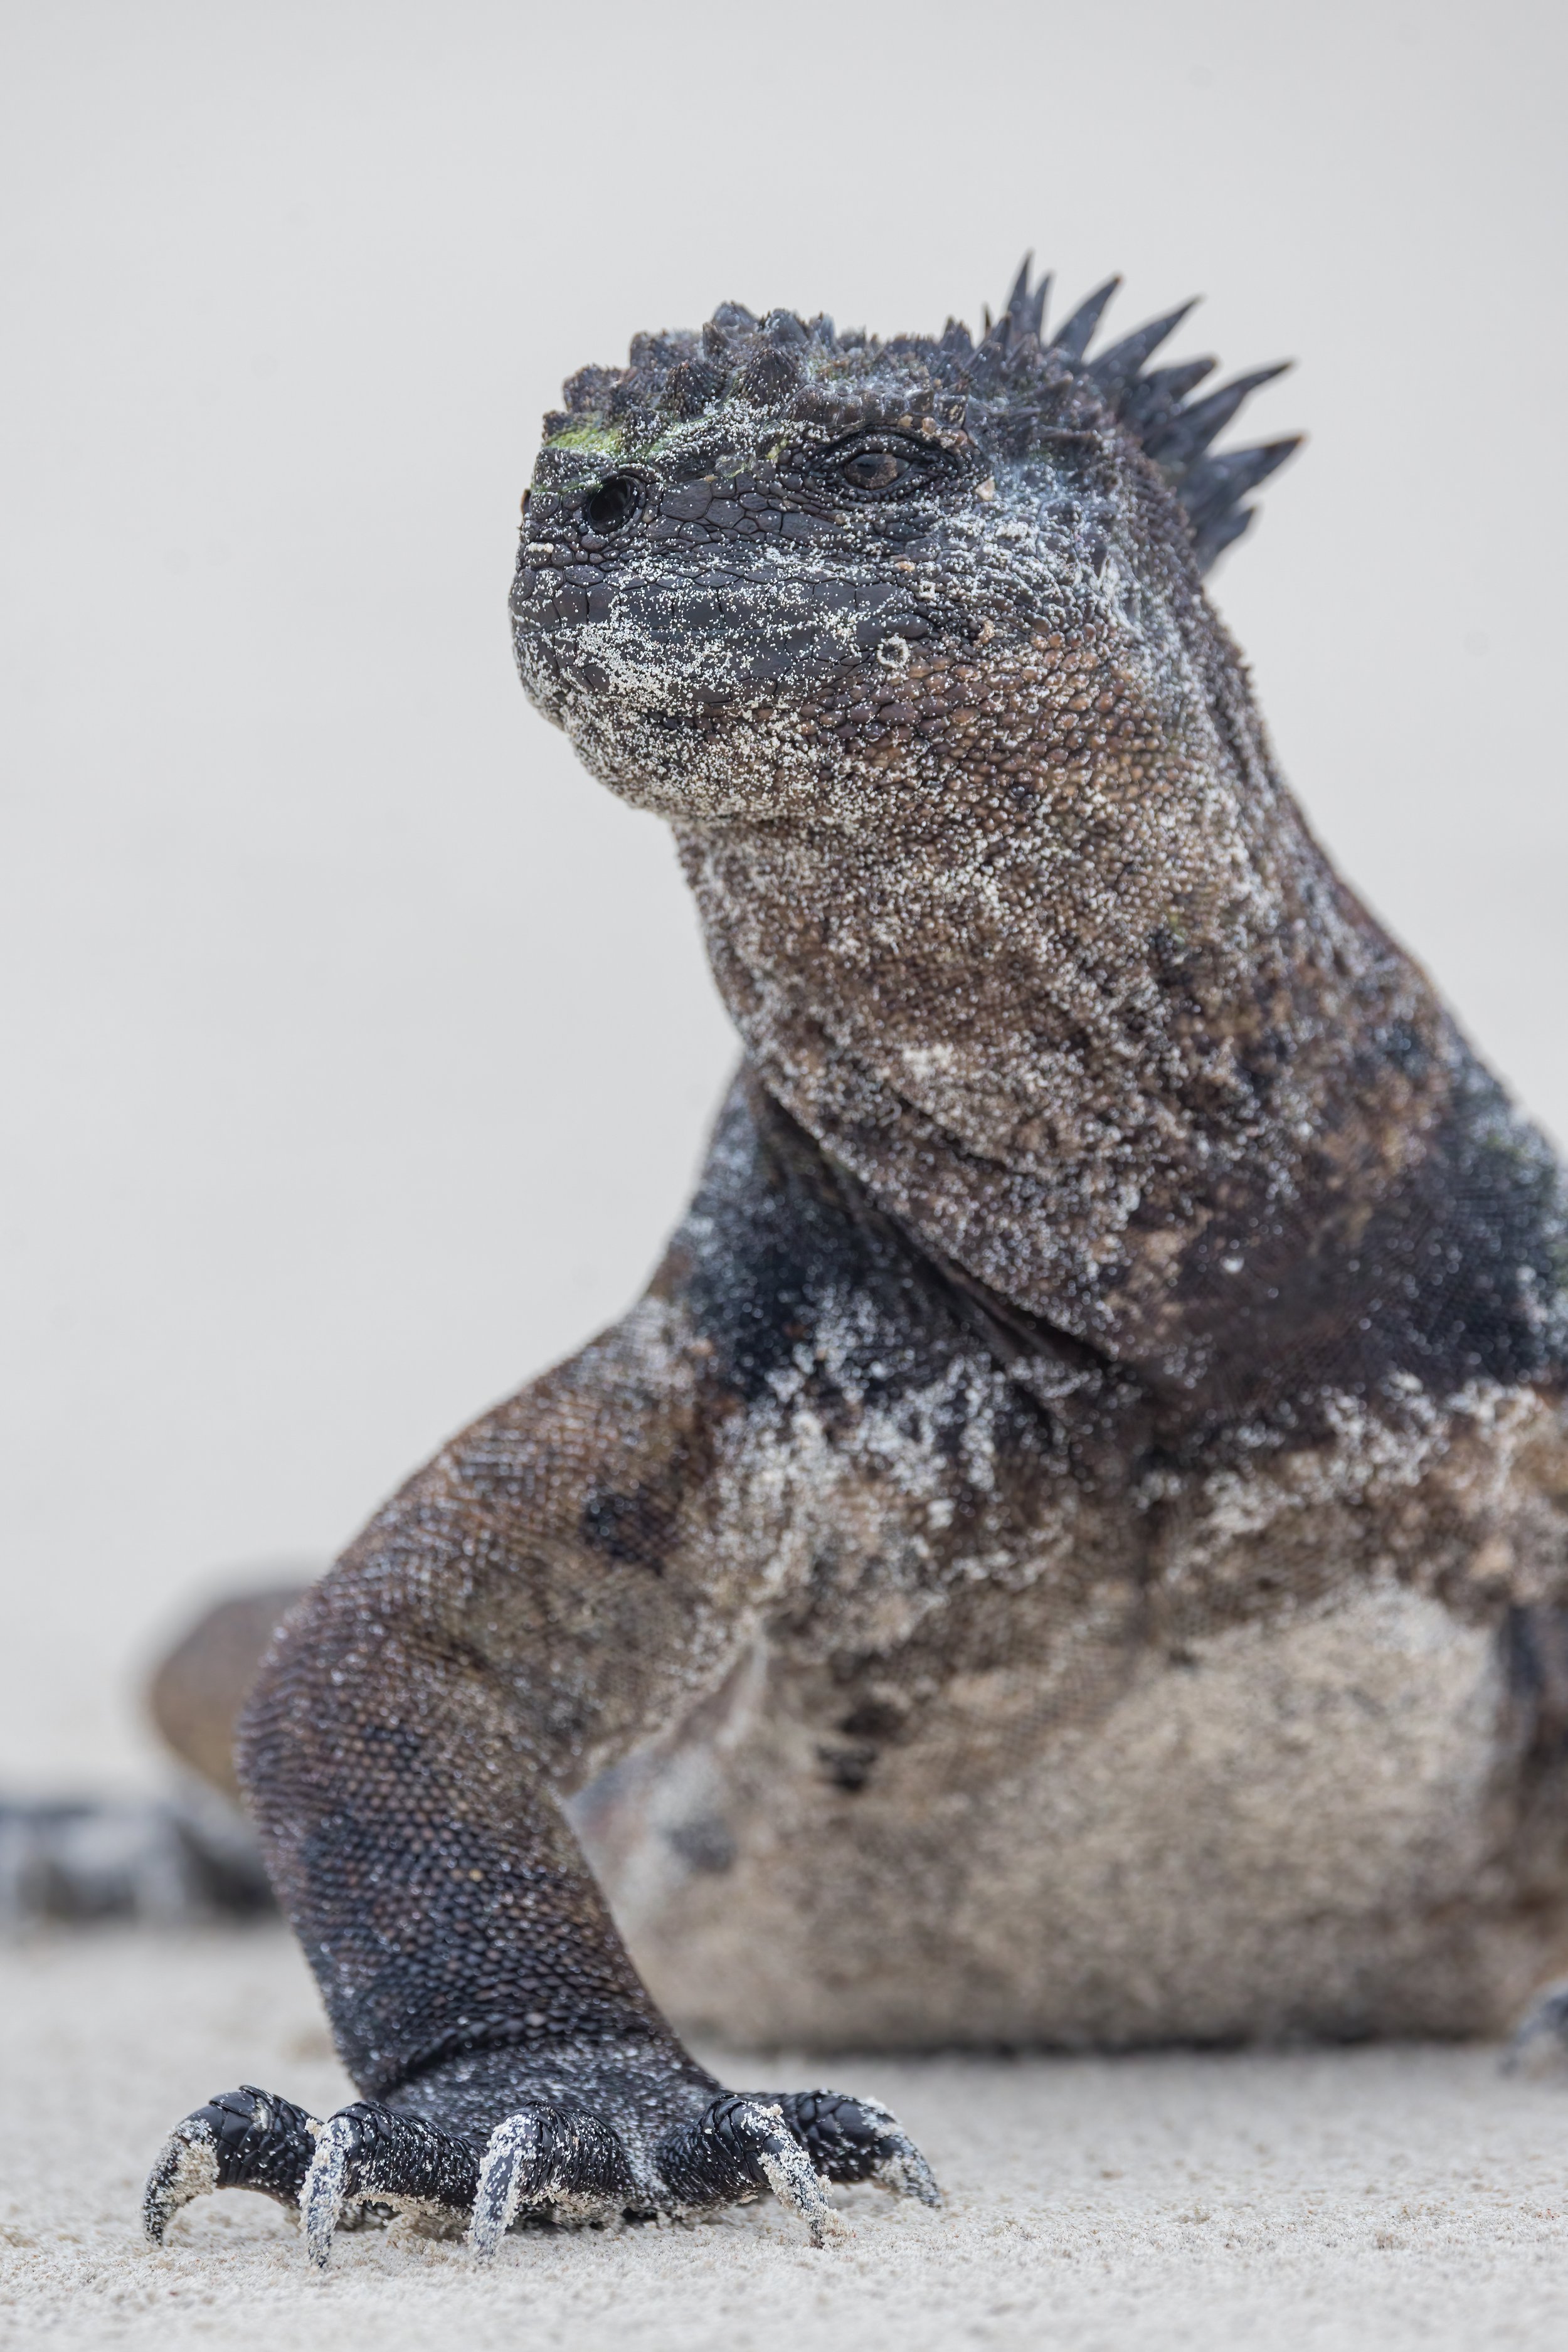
<point x="543" y="1596"/>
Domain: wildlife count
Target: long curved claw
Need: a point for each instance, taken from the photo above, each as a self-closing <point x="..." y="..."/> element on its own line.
<point x="856" y="2139"/>
<point x="544" y="2155"/>
<point x="515" y="2166"/>
<point x="902" y="2168"/>
<point x="788" y="2171"/>
<point x="322" y="2198"/>
<point x="739" y="2145"/>
<point x="187" y="2168"/>
<point x="368" y="2152"/>
<point x="241" y="2139"/>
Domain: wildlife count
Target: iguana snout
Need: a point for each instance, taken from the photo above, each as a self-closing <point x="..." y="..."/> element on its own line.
<point x="741" y="600"/>
<point x="690" y="639"/>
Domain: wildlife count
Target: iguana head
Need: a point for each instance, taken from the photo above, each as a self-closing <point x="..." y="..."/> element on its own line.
<point x="996" y="874"/>
<point x="769" y="569"/>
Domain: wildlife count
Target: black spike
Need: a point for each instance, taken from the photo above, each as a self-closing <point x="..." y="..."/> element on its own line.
<point x="1175" y="383"/>
<point x="770" y="371"/>
<point x="1209" y="544"/>
<point x="1073" y="339"/>
<point x="1189" y="435"/>
<point x="689" y="386"/>
<point x="1026" y="311"/>
<point x="1116" y="369"/>
<point x="1216" y="484"/>
<point x="1152" y="404"/>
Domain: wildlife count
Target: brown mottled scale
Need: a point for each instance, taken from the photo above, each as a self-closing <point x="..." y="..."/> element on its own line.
<point x="1072" y="1546"/>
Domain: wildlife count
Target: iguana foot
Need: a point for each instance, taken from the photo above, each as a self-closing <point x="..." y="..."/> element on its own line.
<point x="569" y="2163"/>
<point x="550" y="2160"/>
<point x="565" y="2160"/>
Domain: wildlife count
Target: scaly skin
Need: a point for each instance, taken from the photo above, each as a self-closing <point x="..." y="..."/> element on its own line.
<point x="1071" y="1544"/>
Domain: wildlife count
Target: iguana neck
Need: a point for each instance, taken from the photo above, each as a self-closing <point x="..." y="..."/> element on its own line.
<point x="1112" y="1037"/>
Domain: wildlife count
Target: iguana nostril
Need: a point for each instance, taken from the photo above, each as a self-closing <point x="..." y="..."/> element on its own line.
<point x="611" y="506"/>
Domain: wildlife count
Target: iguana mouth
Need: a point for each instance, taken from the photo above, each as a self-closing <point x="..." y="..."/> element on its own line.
<point x="660" y="639"/>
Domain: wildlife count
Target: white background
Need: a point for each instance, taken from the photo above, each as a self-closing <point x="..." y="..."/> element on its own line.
<point x="358" y="1050"/>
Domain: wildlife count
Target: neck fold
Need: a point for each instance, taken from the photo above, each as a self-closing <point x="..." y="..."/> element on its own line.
<point x="1116" y="1040"/>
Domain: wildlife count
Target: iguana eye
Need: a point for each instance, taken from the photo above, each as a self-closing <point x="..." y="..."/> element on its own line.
<point x="874" y="469"/>
<point x="611" y="507"/>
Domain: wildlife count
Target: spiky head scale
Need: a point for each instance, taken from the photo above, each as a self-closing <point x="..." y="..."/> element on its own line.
<point x="1008" y="396"/>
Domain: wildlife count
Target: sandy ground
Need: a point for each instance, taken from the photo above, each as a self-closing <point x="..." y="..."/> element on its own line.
<point x="1370" y="2198"/>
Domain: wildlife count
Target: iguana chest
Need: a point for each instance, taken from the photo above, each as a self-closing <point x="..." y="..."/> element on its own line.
<point x="1005" y="1762"/>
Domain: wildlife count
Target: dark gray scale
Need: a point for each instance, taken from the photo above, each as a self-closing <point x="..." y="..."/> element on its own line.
<point x="1153" y="406"/>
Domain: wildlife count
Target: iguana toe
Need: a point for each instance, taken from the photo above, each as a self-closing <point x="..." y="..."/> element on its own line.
<point x="368" y="2153"/>
<point x="240" y="2139"/>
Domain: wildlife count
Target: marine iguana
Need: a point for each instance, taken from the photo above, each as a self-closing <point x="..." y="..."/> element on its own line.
<point x="1072" y="1546"/>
